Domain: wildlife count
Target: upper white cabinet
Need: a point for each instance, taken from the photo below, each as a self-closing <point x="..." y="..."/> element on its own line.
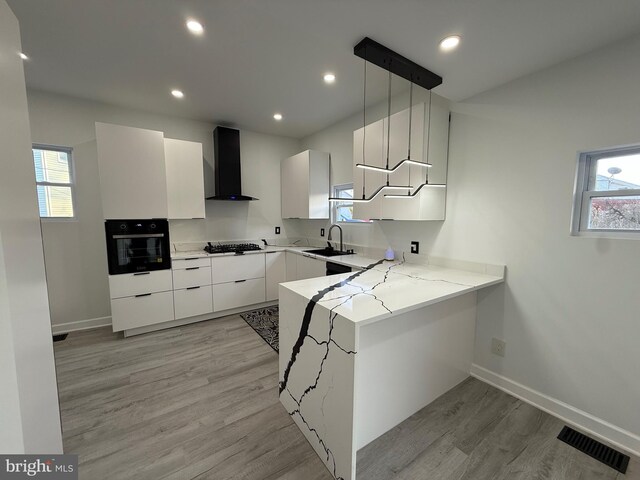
<point x="429" y="142"/>
<point x="185" y="178"/>
<point x="133" y="181"/>
<point x="305" y="185"/>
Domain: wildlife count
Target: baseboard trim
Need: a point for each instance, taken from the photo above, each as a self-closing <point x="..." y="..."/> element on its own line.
<point x="590" y="424"/>
<point x="80" y="325"/>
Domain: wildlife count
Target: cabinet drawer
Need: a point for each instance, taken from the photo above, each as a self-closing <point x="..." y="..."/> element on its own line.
<point x="193" y="301"/>
<point x="238" y="294"/>
<point x="130" y="284"/>
<point x="189" y="262"/>
<point x="149" y="309"/>
<point x="237" y="267"/>
<point x="191" y="277"/>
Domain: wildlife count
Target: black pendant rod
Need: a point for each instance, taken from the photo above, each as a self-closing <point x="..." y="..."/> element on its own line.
<point x="364" y="127"/>
<point x="393" y="62"/>
<point x="388" y="123"/>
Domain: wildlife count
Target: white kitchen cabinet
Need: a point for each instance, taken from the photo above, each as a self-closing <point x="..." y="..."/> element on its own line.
<point x="309" y="267"/>
<point x="141" y="299"/>
<point x="231" y="268"/>
<point x="189" y="262"/>
<point x="192" y="301"/>
<point x="304" y="185"/>
<point x="238" y="294"/>
<point x="130" y="284"/>
<point x="291" y="261"/>
<point x="191" y="277"/>
<point x="275" y="273"/>
<point x="429" y="204"/>
<point x="192" y="294"/>
<point x="133" y="182"/>
<point x="185" y="178"/>
<point x="141" y="310"/>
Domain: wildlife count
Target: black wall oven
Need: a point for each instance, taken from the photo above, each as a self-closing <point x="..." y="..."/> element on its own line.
<point x="137" y="245"/>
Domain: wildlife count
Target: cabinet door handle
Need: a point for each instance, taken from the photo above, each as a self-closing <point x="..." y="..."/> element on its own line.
<point x="142" y="273"/>
<point x="143" y="295"/>
<point x="192" y="288"/>
<point x="192" y="258"/>
<point x="240" y="281"/>
<point x="192" y="268"/>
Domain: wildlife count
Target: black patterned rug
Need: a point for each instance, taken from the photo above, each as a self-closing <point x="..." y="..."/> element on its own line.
<point x="265" y="322"/>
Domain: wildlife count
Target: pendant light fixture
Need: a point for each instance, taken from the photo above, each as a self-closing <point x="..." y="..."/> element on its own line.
<point x="371" y="51"/>
<point x="426" y="183"/>
<point x="364" y="198"/>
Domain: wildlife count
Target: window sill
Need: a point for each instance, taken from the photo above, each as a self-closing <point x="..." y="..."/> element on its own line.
<point x="58" y="219"/>
<point x="613" y="235"/>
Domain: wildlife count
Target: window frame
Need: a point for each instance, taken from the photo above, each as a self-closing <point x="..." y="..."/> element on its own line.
<point x="334" y="205"/>
<point x="584" y="191"/>
<point x="71" y="185"/>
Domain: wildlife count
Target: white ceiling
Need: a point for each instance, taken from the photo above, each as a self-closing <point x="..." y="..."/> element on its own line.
<point x="261" y="56"/>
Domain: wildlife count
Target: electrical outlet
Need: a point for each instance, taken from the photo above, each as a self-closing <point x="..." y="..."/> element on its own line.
<point x="277" y="230"/>
<point x="498" y="347"/>
<point x="322" y="232"/>
<point x="415" y="247"/>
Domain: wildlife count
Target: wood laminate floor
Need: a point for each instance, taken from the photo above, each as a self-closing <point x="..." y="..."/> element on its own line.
<point x="201" y="402"/>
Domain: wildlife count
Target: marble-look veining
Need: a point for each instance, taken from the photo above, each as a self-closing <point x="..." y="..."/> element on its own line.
<point x="320" y="319"/>
<point x="390" y="288"/>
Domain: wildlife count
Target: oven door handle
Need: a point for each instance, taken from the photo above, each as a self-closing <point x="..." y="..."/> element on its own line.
<point x="138" y="235"/>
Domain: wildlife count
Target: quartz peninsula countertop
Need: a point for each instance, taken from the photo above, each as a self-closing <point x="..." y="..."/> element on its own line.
<point x="383" y="289"/>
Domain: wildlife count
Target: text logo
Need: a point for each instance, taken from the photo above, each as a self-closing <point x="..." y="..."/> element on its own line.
<point x="49" y="467"/>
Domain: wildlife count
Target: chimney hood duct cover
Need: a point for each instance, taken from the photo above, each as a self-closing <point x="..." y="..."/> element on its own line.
<point x="226" y="152"/>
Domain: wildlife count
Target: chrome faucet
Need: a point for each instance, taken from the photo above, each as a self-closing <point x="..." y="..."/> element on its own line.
<point x="339" y="228"/>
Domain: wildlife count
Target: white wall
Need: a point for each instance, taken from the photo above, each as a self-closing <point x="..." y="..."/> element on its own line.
<point x="75" y="251"/>
<point x="29" y="414"/>
<point x="569" y="311"/>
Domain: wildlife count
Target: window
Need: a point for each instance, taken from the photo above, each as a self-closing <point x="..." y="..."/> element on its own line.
<point x="343" y="211"/>
<point x="54" y="181"/>
<point x="607" y="197"/>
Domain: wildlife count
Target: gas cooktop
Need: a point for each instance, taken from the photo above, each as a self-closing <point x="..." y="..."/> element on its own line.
<point x="230" y="247"/>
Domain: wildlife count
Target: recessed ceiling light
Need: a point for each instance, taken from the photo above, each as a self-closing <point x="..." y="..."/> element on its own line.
<point x="195" y="27"/>
<point x="177" y="93"/>
<point x="449" y="43"/>
<point x="277" y="116"/>
<point x="329" y="78"/>
<point x="23" y="56"/>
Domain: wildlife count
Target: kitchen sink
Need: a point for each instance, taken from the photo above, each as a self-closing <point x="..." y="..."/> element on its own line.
<point x="326" y="252"/>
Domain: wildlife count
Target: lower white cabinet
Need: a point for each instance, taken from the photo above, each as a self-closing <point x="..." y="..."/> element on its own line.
<point x="230" y="268"/>
<point x="301" y="266"/>
<point x="275" y="273"/>
<point x="191" y="277"/>
<point x="309" y="267"/>
<point x="129" y="284"/>
<point x="141" y="310"/>
<point x="141" y="299"/>
<point x="193" y="301"/>
<point x="291" y="266"/>
<point x="202" y="285"/>
<point x="238" y="294"/>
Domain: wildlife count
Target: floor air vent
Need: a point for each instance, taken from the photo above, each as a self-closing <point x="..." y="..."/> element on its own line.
<point x="595" y="449"/>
